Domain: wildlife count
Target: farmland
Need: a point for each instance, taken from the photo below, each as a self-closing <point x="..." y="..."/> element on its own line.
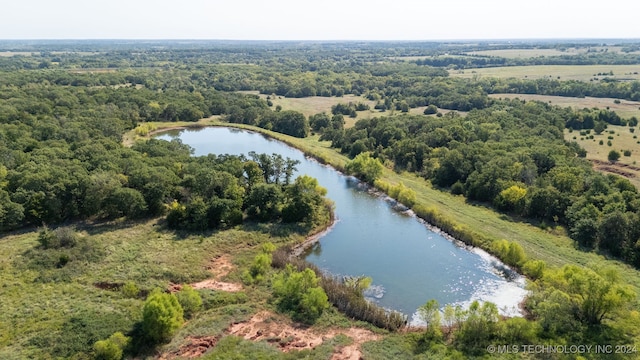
<point x="562" y="72"/>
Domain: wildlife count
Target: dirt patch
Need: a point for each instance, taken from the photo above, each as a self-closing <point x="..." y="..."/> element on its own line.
<point x="268" y="327"/>
<point x="195" y="347"/>
<point x="219" y="268"/>
<point x="621" y="169"/>
<point x="217" y="285"/>
<point x="352" y="352"/>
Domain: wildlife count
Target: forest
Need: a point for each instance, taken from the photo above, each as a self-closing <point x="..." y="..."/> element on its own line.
<point x="66" y="171"/>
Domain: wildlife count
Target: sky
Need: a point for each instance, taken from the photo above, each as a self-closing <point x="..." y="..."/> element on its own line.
<point x="319" y="20"/>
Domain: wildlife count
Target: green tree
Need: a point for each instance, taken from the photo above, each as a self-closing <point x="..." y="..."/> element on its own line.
<point x="613" y="156"/>
<point x="430" y="314"/>
<point x="365" y="167"/>
<point x="305" y="202"/>
<point x="431" y="109"/>
<point x="162" y="315"/>
<point x="265" y="201"/>
<point x="511" y="199"/>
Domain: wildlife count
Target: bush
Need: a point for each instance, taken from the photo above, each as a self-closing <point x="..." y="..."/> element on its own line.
<point x="627" y="153"/>
<point x="112" y="348"/>
<point x="190" y="300"/>
<point x="298" y="293"/>
<point x="64" y="237"/>
<point x="130" y="290"/>
<point x="162" y="315"/>
<point x="534" y="269"/>
<point x="365" y="167"/>
<point x="430" y="110"/>
<point x="509" y="252"/>
<point x="614" y="155"/>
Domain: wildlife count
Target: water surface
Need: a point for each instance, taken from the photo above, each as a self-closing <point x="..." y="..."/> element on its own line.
<point x="408" y="262"/>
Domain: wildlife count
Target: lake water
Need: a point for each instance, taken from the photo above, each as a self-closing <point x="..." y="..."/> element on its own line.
<point x="409" y="263"/>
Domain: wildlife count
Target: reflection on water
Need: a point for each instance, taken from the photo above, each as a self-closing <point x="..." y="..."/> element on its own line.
<point x="408" y="262"/>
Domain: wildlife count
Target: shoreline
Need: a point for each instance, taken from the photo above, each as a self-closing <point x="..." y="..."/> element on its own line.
<point x="311" y="239"/>
<point x="298" y="249"/>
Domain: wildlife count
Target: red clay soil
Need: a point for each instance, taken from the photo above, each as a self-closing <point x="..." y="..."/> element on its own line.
<point x="195" y="347"/>
<point x="268" y="327"/>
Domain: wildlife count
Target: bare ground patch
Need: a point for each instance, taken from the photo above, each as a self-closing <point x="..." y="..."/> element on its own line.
<point x="195" y="347"/>
<point x="268" y="327"/>
<point x="218" y="267"/>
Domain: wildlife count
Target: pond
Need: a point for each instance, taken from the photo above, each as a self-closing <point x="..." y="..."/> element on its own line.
<point x="409" y="262"/>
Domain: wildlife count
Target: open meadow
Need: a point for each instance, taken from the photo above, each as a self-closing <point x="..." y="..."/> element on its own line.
<point x="543" y="52"/>
<point x="560" y="72"/>
<point x="618" y="138"/>
<point x="624" y="108"/>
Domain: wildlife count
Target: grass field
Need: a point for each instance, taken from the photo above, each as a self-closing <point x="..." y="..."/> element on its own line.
<point x="51" y="312"/>
<point x="527" y="53"/>
<point x="621" y="139"/>
<point x="562" y="72"/>
<point x="317" y="104"/>
<point x="625" y="108"/>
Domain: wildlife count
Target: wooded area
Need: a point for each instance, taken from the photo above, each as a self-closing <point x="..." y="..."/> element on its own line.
<point x="65" y="108"/>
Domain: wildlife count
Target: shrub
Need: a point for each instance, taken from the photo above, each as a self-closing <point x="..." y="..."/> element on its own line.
<point x="627" y="153"/>
<point x="112" y="348"/>
<point x="534" y="269"/>
<point x="130" y="290"/>
<point x="509" y="252"/>
<point x="365" y="167"/>
<point x="162" y="315"/>
<point x="190" y="300"/>
<point x="64" y="237"/>
<point x="614" y="155"/>
<point x="298" y="293"/>
<point x="431" y="109"/>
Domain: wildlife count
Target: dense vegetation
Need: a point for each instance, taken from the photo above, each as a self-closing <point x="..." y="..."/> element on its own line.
<point x="63" y="115"/>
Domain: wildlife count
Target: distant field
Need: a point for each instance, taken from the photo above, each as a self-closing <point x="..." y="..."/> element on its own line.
<point x="622" y="139"/>
<point x="15" y="53"/>
<point x="625" y="109"/>
<point x="563" y="72"/>
<point x="317" y="104"/>
<point x="529" y="53"/>
<point x="525" y="53"/>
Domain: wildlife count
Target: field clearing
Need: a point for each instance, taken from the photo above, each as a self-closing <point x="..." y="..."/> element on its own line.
<point x="317" y="104"/>
<point x="15" y="53"/>
<point x="530" y="53"/>
<point x="625" y="108"/>
<point x="526" y="53"/>
<point x="621" y="139"/>
<point x="420" y="111"/>
<point x="562" y="72"/>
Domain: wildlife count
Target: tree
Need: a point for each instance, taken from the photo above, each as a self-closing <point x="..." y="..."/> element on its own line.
<point x="589" y="296"/>
<point x="265" y="202"/>
<point x="511" y="199"/>
<point x="365" y="167"/>
<point x="162" y="315"/>
<point x="431" y="109"/>
<point x="305" y="202"/>
<point x="613" y="156"/>
<point x="430" y="314"/>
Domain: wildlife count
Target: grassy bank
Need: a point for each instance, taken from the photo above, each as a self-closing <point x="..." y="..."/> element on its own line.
<point x="60" y="311"/>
